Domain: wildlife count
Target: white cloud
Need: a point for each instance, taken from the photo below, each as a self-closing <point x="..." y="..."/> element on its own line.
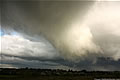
<point x="103" y="20"/>
<point x="16" y="45"/>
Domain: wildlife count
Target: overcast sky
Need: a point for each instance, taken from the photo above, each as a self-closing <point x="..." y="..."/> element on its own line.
<point x="60" y="34"/>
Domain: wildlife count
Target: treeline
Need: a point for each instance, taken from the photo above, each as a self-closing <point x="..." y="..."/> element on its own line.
<point x="58" y="72"/>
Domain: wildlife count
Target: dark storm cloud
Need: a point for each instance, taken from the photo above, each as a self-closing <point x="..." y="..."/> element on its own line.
<point x="63" y="34"/>
<point x="104" y="64"/>
<point x="53" y="20"/>
<point x="24" y="16"/>
<point x="17" y="61"/>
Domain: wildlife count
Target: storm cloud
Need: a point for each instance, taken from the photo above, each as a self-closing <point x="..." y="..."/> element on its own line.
<point x="75" y="32"/>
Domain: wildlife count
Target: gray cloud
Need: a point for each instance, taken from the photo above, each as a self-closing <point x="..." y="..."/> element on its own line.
<point x="70" y="34"/>
<point x="101" y="64"/>
<point x="57" y="21"/>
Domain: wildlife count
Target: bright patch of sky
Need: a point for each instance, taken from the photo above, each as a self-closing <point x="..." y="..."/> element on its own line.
<point x="3" y="32"/>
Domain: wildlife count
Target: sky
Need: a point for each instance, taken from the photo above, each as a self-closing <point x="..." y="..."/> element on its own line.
<point x="60" y="34"/>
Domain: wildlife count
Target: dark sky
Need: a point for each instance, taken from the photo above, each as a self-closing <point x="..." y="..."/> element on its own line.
<point x="60" y="34"/>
